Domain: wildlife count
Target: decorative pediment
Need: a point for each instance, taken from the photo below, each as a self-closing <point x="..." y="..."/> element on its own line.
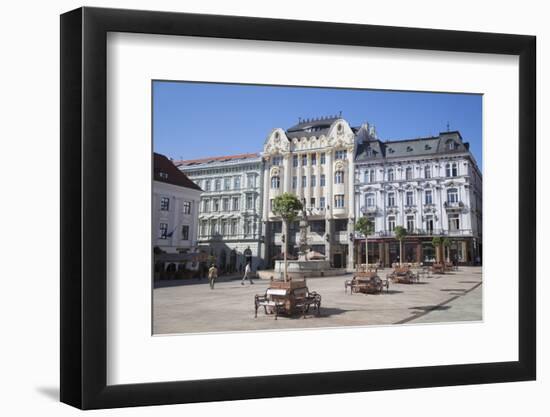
<point x="338" y="166"/>
<point x="276" y="141"/>
<point x="274" y="171"/>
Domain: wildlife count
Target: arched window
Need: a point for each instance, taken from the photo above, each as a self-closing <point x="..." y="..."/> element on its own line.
<point x="339" y="177"/>
<point x="275" y="182"/>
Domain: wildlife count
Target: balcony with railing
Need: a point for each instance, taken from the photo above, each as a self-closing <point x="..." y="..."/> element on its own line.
<point x="453" y="205"/>
<point x="369" y="209"/>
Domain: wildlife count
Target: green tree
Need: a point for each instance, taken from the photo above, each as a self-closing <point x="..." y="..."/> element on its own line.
<point x="364" y="226"/>
<point x="437" y="242"/>
<point x="287" y="206"/>
<point x="400" y="233"/>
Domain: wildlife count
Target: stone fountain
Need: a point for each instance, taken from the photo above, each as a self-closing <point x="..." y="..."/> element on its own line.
<point x="303" y="267"/>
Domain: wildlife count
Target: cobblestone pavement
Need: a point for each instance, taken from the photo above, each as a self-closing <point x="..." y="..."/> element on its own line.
<point x="192" y="308"/>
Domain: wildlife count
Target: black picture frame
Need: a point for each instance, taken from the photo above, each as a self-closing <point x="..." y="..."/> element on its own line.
<point x="84" y="207"/>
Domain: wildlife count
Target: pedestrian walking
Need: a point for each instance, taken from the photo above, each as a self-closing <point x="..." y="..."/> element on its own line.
<point x="247" y="274"/>
<point x="212" y="275"/>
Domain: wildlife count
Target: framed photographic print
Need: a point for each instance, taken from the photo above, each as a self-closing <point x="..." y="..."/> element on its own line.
<point x="258" y="208"/>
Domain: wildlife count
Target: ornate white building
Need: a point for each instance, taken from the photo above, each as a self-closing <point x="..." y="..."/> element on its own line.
<point x="175" y="213"/>
<point x="431" y="186"/>
<point x="229" y="227"/>
<point x="314" y="160"/>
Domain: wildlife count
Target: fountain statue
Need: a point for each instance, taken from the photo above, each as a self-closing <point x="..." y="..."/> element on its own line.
<point x="304" y="267"/>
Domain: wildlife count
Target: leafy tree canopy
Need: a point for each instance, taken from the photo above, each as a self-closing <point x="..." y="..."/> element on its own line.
<point x="287" y="206"/>
<point x="400" y="232"/>
<point x="364" y="225"/>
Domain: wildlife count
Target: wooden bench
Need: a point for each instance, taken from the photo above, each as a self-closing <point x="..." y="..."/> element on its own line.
<point x="438" y="268"/>
<point x="289" y="301"/>
<point x="403" y="275"/>
<point x="366" y="282"/>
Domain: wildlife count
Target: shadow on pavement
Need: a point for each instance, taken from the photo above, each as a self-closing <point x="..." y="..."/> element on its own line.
<point x="430" y="308"/>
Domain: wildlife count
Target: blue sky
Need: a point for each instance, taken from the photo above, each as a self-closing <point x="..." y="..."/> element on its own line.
<point x="194" y="120"/>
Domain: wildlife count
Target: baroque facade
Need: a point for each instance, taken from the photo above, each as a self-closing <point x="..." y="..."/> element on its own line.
<point x="313" y="160"/>
<point x="431" y="186"/>
<point x="229" y="226"/>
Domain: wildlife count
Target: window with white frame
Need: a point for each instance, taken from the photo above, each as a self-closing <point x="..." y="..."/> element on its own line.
<point x="391" y="174"/>
<point x="186" y="207"/>
<point x="313" y="159"/>
<point x="427" y="171"/>
<point x="237" y="183"/>
<point x="206" y="206"/>
<point x="185" y="232"/>
<point x="339" y="177"/>
<point x="322" y="202"/>
<point x="408" y="173"/>
<point x="391" y="199"/>
<point x="165" y="203"/>
<point x="233" y="227"/>
<point x="391" y="223"/>
<point x="295" y="161"/>
<point x="340" y="154"/>
<point x="304" y="160"/>
<point x="215" y="205"/>
<point x="369" y="199"/>
<point x="312" y="202"/>
<point x="204" y="228"/>
<point x="313" y="180"/>
<point x="428" y="197"/>
<point x="251" y="180"/>
<point x="207" y="185"/>
<point x="275" y="181"/>
<point x="294" y="181"/>
<point x="339" y="201"/>
<point x="323" y="158"/>
<point x="304" y="181"/>
<point x="429" y="223"/>
<point x="276" y="160"/>
<point x="217" y="184"/>
<point x="410" y="224"/>
<point x="225" y="204"/>
<point x="451" y="170"/>
<point x="235" y="203"/>
<point x="452" y="195"/>
<point x="227" y="183"/>
<point x="163" y="231"/>
<point x="409" y="198"/>
<point x="323" y="180"/>
<point x="454" y="222"/>
<point x="249" y="202"/>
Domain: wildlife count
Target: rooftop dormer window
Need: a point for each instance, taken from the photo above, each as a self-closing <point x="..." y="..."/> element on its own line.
<point x="163" y="175"/>
<point x="451" y="144"/>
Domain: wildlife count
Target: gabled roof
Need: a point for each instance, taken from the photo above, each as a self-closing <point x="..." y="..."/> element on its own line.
<point x="210" y="159"/>
<point x="165" y="171"/>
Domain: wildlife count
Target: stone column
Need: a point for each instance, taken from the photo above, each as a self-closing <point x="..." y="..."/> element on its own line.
<point x="265" y="214"/>
<point x="329" y="204"/>
<point x="286" y="173"/>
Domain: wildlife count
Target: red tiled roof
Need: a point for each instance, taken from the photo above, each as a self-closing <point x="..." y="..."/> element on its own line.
<point x="216" y="158"/>
<point x="164" y="170"/>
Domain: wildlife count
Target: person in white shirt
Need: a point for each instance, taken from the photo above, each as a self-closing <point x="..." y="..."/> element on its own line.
<point x="247" y="274"/>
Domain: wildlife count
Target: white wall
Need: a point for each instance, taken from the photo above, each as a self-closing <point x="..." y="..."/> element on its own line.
<point x="30" y="132"/>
